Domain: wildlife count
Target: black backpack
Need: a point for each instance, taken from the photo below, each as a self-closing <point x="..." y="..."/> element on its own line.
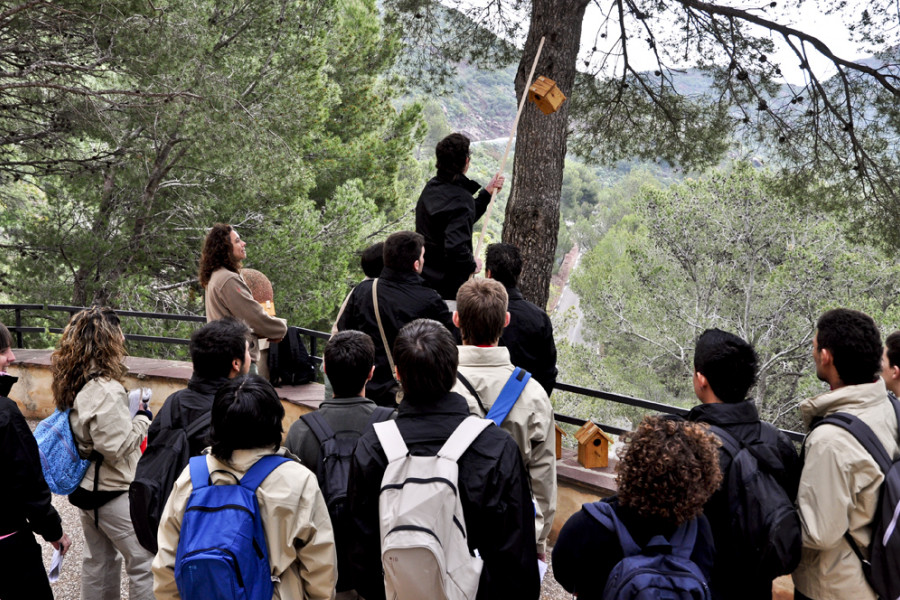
<point x="882" y="569"/>
<point x="764" y="524"/>
<point x="333" y="472"/>
<point x="159" y="467"/>
<point x="289" y="361"/>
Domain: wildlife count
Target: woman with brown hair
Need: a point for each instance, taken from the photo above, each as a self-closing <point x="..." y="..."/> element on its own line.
<point x="25" y="503"/>
<point x="227" y="294"/>
<point x="666" y="471"/>
<point x="88" y="373"/>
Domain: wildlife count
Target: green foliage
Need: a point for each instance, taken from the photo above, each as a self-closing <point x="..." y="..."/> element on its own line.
<point x="275" y="117"/>
<point x="727" y="251"/>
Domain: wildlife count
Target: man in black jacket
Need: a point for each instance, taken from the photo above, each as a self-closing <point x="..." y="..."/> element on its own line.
<point x="493" y="484"/>
<point x="446" y="212"/>
<point x="401" y="299"/>
<point x="529" y="335"/>
<point x="724" y="371"/>
<point x="219" y="352"/>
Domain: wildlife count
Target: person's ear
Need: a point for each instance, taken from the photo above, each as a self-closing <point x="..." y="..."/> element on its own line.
<point x="396" y="373"/>
<point x="487" y="273"/>
<point x="456" y="318"/>
<point x="506" y="322"/>
<point x="702" y="381"/>
<point x="371" y="373"/>
<point x="826" y="357"/>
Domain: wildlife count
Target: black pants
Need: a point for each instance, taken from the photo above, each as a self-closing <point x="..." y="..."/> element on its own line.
<point x="24" y="574"/>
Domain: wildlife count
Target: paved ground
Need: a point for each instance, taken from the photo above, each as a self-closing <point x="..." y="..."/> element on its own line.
<point x="69" y="585"/>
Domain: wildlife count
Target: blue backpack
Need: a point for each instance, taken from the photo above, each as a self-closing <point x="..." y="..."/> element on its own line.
<point x="62" y="464"/>
<point x="662" y="569"/>
<point x="222" y="549"/>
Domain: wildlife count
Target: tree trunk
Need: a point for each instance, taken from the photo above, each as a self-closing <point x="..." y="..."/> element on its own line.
<point x="532" y="214"/>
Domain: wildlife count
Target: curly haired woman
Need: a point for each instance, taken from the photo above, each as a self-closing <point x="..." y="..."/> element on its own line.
<point x="666" y="472"/>
<point x="227" y="294"/>
<point x="87" y="378"/>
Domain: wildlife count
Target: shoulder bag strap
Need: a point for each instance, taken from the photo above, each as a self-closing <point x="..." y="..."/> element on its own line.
<point x="468" y="385"/>
<point x="387" y="348"/>
<point x="199" y="425"/>
<point x="605" y="514"/>
<point x="508" y="395"/>
<point x="381" y="413"/>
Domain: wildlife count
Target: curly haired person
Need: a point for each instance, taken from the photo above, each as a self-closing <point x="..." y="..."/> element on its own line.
<point x="667" y="471"/>
<point x="227" y="294"/>
<point x="87" y="374"/>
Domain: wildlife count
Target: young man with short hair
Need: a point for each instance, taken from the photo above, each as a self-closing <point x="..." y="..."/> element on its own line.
<point x="401" y="299"/>
<point x="529" y="335"/>
<point x="484" y="369"/>
<point x="446" y="213"/>
<point x="492" y="483"/>
<point x="725" y="368"/>
<point x="349" y="362"/>
<point x="890" y="363"/>
<point x="220" y="350"/>
<point x="840" y="481"/>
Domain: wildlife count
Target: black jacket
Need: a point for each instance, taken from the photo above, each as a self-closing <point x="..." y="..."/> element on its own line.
<point x="401" y="299"/>
<point x="494" y="492"/>
<point x="741" y="420"/>
<point x="25" y="500"/>
<point x="186" y="407"/>
<point x="529" y="338"/>
<point x="586" y="551"/>
<point x="445" y="214"/>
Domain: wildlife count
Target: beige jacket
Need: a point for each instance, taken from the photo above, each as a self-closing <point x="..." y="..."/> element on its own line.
<point x="227" y="295"/>
<point x="839" y="491"/>
<point x="298" y="529"/>
<point x="101" y="421"/>
<point x="530" y="422"/>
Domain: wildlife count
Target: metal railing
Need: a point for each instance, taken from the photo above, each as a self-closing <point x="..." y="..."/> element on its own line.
<point x="314" y="336"/>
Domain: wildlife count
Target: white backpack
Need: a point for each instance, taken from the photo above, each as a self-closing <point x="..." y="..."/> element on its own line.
<point x="423" y="533"/>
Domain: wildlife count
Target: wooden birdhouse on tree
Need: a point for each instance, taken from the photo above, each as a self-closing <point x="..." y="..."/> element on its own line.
<point x="546" y="95"/>
<point x="593" y="446"/>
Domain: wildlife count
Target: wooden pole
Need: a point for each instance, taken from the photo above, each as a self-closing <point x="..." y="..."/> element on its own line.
<point x="487" y="215"/>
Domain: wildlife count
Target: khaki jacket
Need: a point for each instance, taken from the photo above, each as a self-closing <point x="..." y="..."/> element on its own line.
<point x="530" y="422"/>
<point x="227" y="295"/>
<point x="101" y="421"/>
<point x="298" y="529"/>
<point x="839" y="491"/>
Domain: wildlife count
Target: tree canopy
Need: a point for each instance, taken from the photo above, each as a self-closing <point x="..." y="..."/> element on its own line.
<point x="730" y="251"/>
<point x="835" y="133"/>
<point x="131" y="127"/>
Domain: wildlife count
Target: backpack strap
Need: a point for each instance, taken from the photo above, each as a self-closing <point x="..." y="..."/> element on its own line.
<point x="199" y="472"/>
<point x="606" y="515"/>
<point x="391" y="441"/>
<point x="260" y="470"/>
<point x="508" y="395"/>
<point x="199" y="425"/>
<point x="319" y="426"/>
<point x="863" y="434"/>
<point x="460" y="440"/>
<point x="381" y="413"/>
<point x="468" y="385"/>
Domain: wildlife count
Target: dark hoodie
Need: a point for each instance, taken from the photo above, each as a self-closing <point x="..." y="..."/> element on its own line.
<point x="741" y="421"/>
<point x="25" y="501"/>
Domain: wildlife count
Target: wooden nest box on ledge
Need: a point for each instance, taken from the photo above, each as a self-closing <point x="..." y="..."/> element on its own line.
<point x="593" y="446"/>
<point x="546" y="95"/>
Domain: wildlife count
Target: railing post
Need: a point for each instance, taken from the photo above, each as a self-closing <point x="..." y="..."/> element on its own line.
<point x="19" y="340"/>
<point x="313" y="345"/>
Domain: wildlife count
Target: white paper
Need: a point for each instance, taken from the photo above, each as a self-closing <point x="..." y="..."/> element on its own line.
<point x="542" y="568"/>
<point x="55" y="566"/>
